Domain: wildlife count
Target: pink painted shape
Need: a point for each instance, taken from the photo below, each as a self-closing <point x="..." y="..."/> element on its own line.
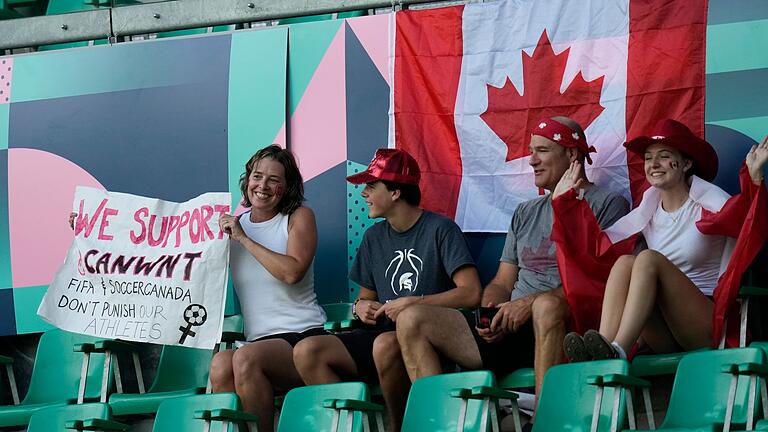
<point x="319" y="124"/>
<point x="280" y="137"/>
<point x="373" y="33"/>
<point x="6" y="72"/>
<point x="41" y="188"/>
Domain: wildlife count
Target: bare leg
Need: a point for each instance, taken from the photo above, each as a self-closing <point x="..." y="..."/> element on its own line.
<point x="323" y="360"/>
<point x="615" y="298"/>
<point x="656" y="334"/>
<point x="259" y="368"/>
<point x="221" y="373"/>
<point x="392" y="376"/>
<point x="549" y="313"/>
<point x="686" y="310"/>
<point x="424" y="332"/>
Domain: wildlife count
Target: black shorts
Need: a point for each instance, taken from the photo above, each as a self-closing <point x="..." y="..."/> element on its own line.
<point x="294" y="338"/>
<point x="359" y="344"/>
<point x="514" y="351"/>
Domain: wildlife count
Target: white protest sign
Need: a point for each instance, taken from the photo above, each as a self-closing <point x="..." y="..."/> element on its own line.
<point x="143" y="269"/>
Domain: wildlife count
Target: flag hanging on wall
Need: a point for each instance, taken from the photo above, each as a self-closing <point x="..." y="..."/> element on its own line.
<point x="470" y="81"/>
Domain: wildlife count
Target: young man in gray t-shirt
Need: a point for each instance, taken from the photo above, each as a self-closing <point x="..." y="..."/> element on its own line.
<point x="532" y="313"/>
<point x="412" y="257"/>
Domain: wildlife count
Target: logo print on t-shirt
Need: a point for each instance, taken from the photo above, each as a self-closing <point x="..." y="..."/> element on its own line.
<point x="405" y="269"/>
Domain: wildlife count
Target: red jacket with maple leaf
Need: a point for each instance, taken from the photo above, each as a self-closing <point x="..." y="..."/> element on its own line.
<point x="585" y="254"/>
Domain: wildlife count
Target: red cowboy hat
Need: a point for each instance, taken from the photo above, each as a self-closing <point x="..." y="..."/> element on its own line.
<point x="678" y="136"/>
<point x="393" y="165"/>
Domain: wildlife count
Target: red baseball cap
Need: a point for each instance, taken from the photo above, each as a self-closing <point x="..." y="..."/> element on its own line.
<point x="388" y="164"/>
<point x="677" y="135"/>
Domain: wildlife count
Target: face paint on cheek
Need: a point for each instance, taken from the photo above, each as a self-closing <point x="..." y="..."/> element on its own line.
<point x="674" y="165"/>
<point x="279" y="189"/>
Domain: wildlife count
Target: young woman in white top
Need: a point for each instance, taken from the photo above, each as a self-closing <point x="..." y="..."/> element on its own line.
<point x="664" y="294"/>
<point x="273" y="248"/>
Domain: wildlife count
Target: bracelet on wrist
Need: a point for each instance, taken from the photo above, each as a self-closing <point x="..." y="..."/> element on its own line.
<point x="354" y="309"/>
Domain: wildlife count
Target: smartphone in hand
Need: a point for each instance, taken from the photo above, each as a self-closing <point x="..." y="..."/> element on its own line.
<point x="484" y="316"/>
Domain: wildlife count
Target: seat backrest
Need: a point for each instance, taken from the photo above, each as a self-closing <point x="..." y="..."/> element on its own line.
<point x="303" y="407"/>
<point x="567" y="401"/>
<point x="700" y="391"/>
<point x="337" y="311"/>
<point x="181" y="368"/>
<point x="430" y="406"/>
<point x="54" y="418"/>
<point x="56" y="372"/>
<point x="177" y="414"/>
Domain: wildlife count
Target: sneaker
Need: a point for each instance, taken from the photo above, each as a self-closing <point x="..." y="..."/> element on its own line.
<point x="574" y="348"/>
<point x="598" y="346"/>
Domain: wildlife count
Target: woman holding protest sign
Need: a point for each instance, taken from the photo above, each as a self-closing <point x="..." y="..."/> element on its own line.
<point x="273" y="248"/>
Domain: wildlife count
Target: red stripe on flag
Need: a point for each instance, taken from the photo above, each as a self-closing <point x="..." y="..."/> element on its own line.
<point x="665" y="72"/>
<point x="428" y="51"/>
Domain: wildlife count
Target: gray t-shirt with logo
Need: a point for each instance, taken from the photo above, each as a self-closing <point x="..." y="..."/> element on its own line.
<point x="529" y="247"/>
<point x="419" y="261"/>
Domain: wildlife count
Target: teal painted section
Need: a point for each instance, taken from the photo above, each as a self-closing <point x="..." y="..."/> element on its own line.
<point x="6" y="280"/>
<point x="728" y="50"/>
<point x="256" y="105"/>
<point x="5" y="110"/>
<point x="357" y="221"/>
<point x="25" y="300"/>
<point x="308" y="42"/>
<point x="736" y="95"/>
<point x="753" y="127"/>
<point x="101" y="69"/>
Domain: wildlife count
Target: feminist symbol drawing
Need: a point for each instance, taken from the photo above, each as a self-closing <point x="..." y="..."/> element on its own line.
<point x="195" y="315"/>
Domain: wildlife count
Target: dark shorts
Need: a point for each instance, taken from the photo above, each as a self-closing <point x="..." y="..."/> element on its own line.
<point x="294" y="338"/>
<point x="513" y="352"/>
<point x="359" y="344"/>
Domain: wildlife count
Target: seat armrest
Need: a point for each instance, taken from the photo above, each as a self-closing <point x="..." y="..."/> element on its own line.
<point x="617" y="380"/>
<point x="758" y="369"/>
<point x="115" y="346"/>
<point x="96" y="424"/>
<point x="352" y="405"/>
<point x="6" y="360"/>
<point x="222" y="414"/>
<point x="482" y="392"/>
<point x="84" y="348"/>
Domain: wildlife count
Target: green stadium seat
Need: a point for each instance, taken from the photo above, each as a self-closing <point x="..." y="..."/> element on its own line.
<point x="90" y="416"/>
<point x="572" y="393"/>
<point x="59" y="376"/>
<point x="465" y="401"/>
<point x="712" y="388"/>
<point x="520" y="378"/>
<point x="208" y="412"/>
<point x="338" y="317"/>
<point x="319" y="407"/>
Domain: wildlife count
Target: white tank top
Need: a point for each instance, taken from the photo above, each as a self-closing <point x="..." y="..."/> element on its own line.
<point x="270" y="306"/>
<point x="697" y="255"/>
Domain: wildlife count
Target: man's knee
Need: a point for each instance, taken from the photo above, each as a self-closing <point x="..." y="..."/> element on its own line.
<point x="549" y="311"/>
<point x="386" y="350"/>
<point x="411" y="321"/>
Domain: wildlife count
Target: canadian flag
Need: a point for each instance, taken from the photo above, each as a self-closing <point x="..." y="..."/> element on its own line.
<point x="471" y="81"/>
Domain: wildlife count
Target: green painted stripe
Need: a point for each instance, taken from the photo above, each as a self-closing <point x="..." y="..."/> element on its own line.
<point x="5" y="110"/>
<point x="256" y="107"/>
<point x="753" y="127"/>
<point x="26" y="300"/>
<point x="737" y="46"/>
<point x="308" y="42"/>
<point x="6" y="280"/>
<point x="736" y="95"/>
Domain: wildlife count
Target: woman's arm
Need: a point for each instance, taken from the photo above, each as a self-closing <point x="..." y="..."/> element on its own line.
<point x="302" y="244"/>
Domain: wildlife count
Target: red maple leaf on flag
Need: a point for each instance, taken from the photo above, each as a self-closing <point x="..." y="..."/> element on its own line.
<point x="512" y="115"/>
